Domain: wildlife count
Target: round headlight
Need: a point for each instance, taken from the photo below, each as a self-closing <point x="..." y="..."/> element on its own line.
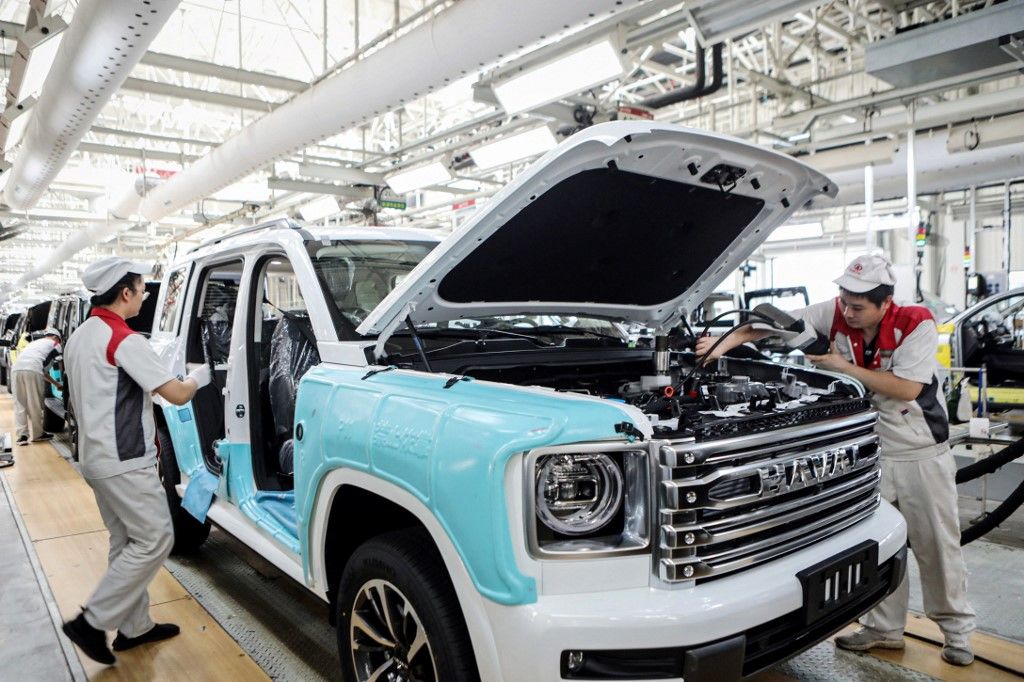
<point x="578" y="494"/>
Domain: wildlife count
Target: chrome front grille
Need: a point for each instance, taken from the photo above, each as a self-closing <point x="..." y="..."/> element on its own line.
<point x="730" y="504"/>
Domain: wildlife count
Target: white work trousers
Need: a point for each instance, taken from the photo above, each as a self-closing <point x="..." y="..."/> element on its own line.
<point x="925" y="492"/>
<point x="28" y="402"/>
<point x="134" y="509"/>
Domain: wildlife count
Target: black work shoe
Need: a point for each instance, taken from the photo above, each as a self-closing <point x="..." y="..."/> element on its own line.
<point x="91" y="641"/>
<point x="156" y="633"/>
<point x="43" y="436"/>
<point x="23" y="440"/>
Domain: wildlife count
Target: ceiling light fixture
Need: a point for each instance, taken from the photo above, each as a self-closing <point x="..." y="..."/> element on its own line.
<point x="410" y="180"/>
<point x="318" y="209"/>
<point x="513" y="147"/>
<point x="585" y="68"/>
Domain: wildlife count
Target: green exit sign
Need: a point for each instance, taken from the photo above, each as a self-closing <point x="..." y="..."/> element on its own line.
<point x="386" y="198"/>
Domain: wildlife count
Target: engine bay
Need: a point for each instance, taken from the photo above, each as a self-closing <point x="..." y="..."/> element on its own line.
<point x="732" y="397"/>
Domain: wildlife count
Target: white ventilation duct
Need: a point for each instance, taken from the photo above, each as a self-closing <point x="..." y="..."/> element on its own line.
<point x="105" y="41"/>
<point x="126" y="206"/>
<point x="462" y="39"/>
<point x="82" y="239"/>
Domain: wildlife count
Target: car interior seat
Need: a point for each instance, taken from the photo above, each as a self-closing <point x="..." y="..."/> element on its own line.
<point x="292" y="352"/>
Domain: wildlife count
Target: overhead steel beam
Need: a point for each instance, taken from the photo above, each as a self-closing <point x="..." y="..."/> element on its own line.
<point x="136" y="153"/>
<point x="198" y="95"/>
<point x="103" y="130"/>
<point x="168" y="61"/>
<point x="807" y="117"/>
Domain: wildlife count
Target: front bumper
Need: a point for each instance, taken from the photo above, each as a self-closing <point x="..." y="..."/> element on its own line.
<point x="725" y="629"/>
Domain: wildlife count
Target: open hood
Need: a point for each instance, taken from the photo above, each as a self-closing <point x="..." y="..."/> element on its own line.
<point x="635" y="220"/>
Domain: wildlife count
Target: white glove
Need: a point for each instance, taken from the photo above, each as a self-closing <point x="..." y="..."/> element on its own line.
<point x="200" y="375"/>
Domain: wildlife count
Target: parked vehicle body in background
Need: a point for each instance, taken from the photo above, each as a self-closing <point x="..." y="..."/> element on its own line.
<point x="990" y="334"/>
<point x="7" y="334"/>
<point x="32" y="321"/>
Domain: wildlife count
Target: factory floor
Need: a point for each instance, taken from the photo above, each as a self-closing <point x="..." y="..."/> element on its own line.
<point x="242" y="619"/>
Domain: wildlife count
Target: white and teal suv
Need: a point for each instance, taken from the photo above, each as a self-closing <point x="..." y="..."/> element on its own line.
<point x="455" y="443"/>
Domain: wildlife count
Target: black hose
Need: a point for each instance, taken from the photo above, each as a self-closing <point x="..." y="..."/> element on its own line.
<point x="684" y="93"/>
<point x="1008" y="506"/>
<point x="996" y="517"/>
<point x="990" y="463"/>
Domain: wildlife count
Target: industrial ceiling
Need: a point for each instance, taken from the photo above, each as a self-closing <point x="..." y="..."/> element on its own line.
<point x="206" y="114"/>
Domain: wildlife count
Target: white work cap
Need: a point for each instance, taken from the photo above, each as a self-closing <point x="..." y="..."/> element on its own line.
<point x="102" y="275"/>
<point x="866" y="273"/>
<point x="50" y="331"/>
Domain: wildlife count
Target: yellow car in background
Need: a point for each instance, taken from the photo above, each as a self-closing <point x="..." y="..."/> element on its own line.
<point x="989" y="334"/>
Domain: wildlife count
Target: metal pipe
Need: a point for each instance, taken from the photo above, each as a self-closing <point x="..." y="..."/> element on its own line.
<point x="1007" y="227"/>
<point x="869" y="205"/>
<point x="912" y="218"/>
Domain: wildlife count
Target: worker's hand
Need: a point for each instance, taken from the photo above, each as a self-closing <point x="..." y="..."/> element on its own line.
<point x="200" y="375"/>
<point x="704" y="344"/>
<point x="832" y="361"/>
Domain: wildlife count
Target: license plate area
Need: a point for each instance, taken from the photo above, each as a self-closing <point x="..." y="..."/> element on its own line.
<point x="839" y="580"/>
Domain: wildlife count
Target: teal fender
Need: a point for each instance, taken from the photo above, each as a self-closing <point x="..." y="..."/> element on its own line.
<point x="447" y="444"/>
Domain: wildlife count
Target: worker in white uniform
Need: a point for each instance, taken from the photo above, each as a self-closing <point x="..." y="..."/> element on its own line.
<point x="111" y="373"/>
<point x="29" y="379"/>
<point x="891" y="349"/>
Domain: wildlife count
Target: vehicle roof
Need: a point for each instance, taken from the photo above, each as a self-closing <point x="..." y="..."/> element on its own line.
<point x="984" y="303"/>
<point x="284" y="231"/>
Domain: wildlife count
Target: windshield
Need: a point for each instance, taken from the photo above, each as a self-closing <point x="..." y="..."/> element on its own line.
<point x="999" y="312"/>
<point x="356" y="275"/>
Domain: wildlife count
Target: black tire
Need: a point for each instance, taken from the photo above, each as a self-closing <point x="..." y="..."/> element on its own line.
<point x="189" y="533"/>
<point x="52" y="423"/>
<point x="72" y="432"/>
<point x="408" y="562"/>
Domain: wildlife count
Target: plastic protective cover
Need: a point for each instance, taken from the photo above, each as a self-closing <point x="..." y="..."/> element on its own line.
<point x="292" y="353"/>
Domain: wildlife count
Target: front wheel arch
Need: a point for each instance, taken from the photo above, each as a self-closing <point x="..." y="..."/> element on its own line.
<point x="397" y="585"/>
<point x="339" y="512"/>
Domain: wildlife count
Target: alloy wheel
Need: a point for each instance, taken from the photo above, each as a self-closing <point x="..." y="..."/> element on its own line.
<point x="387" y="638"/>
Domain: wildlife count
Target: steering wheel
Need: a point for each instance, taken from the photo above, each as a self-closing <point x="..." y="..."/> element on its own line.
<point x="992" y="332"/>
<point x="981" y="328"/>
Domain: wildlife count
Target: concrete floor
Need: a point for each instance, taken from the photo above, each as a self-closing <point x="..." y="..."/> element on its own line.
<point x="31" y="647"/>
<point x="284" y="629"/>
